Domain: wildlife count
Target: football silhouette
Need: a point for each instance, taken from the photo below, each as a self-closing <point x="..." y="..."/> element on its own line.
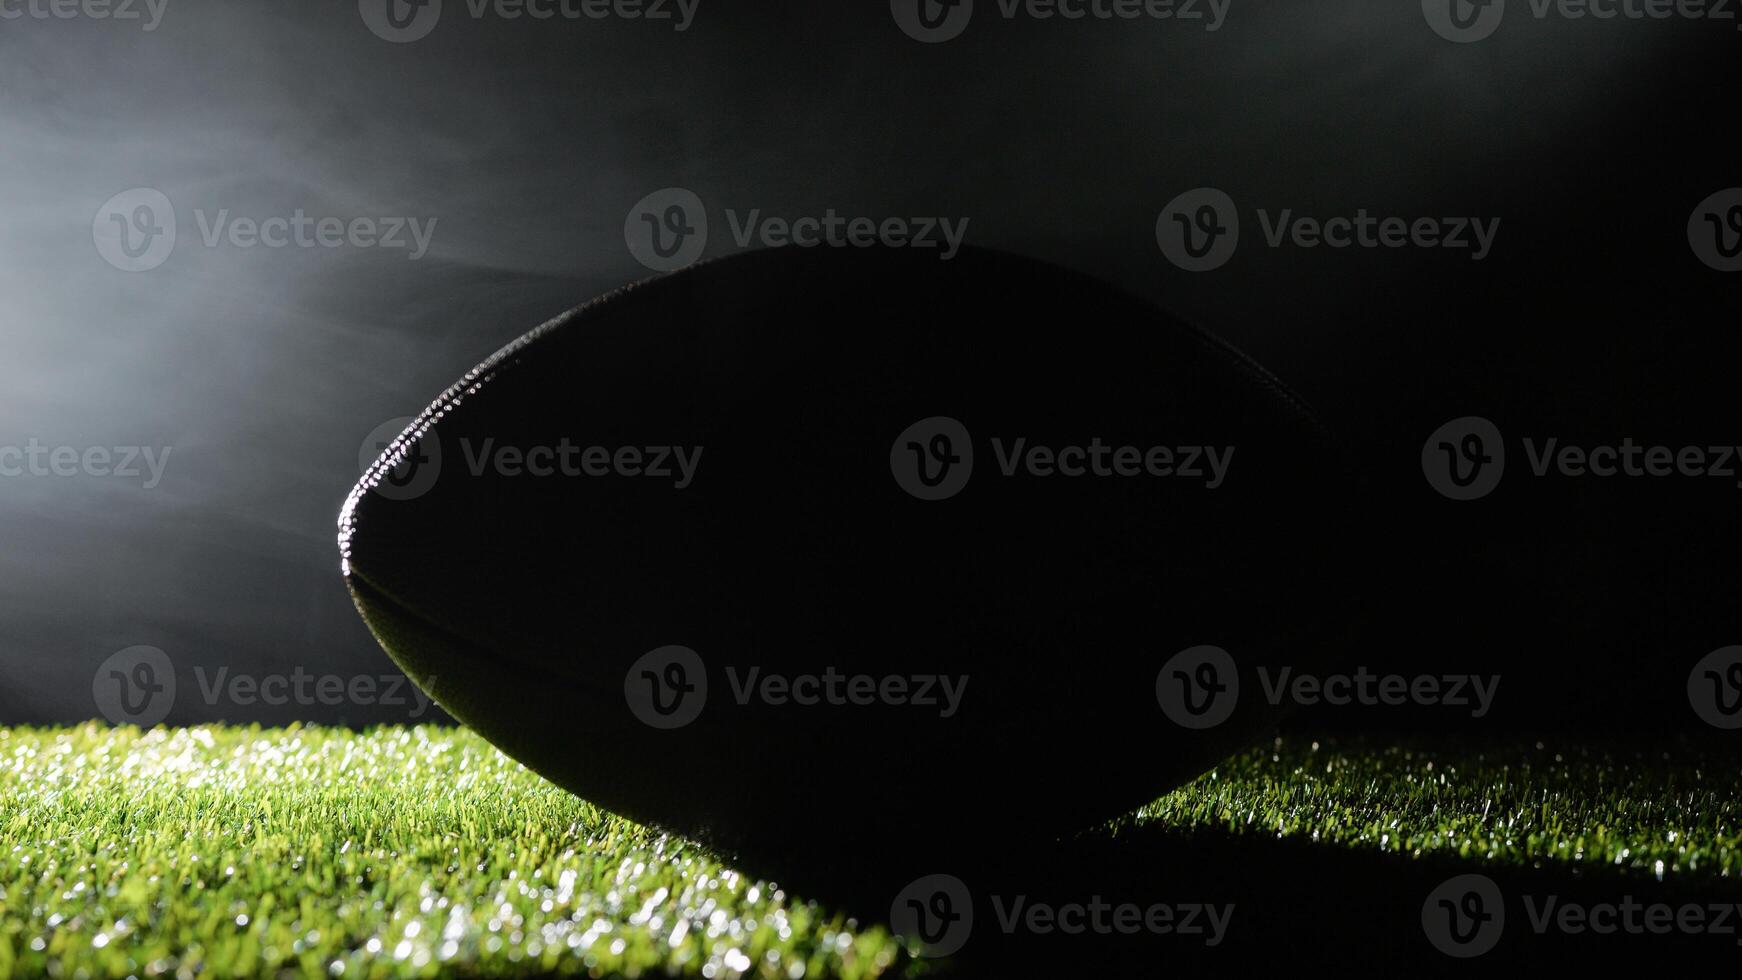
<point x="810" y="554"/>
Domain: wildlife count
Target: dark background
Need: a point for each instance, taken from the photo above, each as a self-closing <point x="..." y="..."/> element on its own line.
<point x="530" y="142"/>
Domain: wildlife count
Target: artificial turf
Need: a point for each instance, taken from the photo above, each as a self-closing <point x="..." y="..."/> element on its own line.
<point x="396" y="852"/>
<point x="1672" y="810"/>
<point x="422" y="851"/>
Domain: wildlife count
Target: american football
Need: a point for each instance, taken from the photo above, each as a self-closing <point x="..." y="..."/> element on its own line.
<point x="841" y="529"/>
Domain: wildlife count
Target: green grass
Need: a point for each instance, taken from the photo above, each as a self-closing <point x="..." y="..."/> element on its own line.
<point x="1665" y="813"/>
<point x="422" y="851"/>
<point x="393" y="853"/>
